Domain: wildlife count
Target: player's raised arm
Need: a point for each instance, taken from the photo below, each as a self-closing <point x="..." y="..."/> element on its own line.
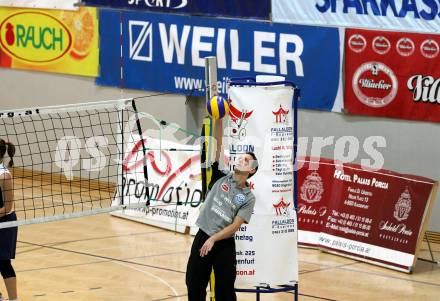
<point x="218" y="135"/>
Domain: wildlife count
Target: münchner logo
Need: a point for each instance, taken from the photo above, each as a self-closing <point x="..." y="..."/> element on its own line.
<point x="375" y="84"/>
<point x="405" y="47"/>
<point x="357" y="43"/>
<point x="381" y="45"/>
<point x="34" y="37"/>
<point x="429" y="49"/>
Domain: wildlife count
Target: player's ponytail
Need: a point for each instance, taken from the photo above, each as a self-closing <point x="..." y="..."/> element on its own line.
<point x="11" y="153"/>
<point x="2" y="148"/>
<point x="6" y="146"/>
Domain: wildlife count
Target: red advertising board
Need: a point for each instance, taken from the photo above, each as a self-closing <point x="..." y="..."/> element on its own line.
<point x="372" y="215"/>
<point x="392" y="74"/>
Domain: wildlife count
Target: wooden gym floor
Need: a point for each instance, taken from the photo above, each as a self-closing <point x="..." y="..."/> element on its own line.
<point x="105" y="258"/>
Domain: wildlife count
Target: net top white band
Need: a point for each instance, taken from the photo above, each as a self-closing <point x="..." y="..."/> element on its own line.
<point x="118" y="103"/>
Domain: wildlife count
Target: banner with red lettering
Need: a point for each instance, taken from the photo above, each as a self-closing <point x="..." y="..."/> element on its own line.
<point x="173" y="185"/>
<point x="374" y="216"/>
<point x="392" y="74"/>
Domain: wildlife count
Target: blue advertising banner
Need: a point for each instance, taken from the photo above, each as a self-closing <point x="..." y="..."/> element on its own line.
<point x="232" y="8"/>
<point x="166" y="54"/>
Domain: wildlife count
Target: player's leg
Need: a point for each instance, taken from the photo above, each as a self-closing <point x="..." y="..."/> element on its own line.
<point x="198" y="269"/>
<point x="8" y="274"/>
<point x="11" y="287"/>
<point x="8" y="245"/>
<point x="225" y="270"/>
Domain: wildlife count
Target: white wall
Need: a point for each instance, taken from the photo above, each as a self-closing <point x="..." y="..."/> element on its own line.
<point x="21" y="89"/>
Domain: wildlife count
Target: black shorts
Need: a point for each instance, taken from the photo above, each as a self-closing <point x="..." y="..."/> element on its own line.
<point x="8" y="238"/>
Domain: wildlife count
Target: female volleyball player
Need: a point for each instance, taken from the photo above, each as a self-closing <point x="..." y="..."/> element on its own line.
<point x="8" y="236"/>
<point x="228" y="204"/>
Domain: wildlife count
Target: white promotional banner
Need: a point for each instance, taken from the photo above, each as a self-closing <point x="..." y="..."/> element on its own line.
<point x="261" y="121"/>
<point x="400" y="15"/>
<point x="49" y="4"/>
<point x="174" y="183"/>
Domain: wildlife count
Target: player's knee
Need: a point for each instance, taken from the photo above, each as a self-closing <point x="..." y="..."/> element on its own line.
<point x="6" y="269"/>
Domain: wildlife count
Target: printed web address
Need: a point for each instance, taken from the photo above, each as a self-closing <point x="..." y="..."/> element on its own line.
<point x="197" y="84"/>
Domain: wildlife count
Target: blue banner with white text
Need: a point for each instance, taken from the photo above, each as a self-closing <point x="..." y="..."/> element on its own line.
<point x="231" y="8"/>
<point x="166" y="54"/>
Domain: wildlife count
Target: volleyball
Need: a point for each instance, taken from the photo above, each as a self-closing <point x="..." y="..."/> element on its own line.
<point x="217" y="107"/>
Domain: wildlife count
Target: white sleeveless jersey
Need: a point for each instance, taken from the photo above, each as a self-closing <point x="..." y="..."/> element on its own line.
<point x="3" y="169"/>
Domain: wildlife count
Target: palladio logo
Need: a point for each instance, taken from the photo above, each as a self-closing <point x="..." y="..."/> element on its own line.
<point x="141" y="40"/>
<point x="282" y="208"/>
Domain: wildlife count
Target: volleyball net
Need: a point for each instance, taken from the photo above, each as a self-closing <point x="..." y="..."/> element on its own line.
<point x="69" y="160"/>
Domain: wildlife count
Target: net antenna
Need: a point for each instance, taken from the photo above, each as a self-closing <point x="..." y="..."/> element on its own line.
<point x="157" y="150"/>
<point x="144" y="151"/>
<point x="68" y="159"/>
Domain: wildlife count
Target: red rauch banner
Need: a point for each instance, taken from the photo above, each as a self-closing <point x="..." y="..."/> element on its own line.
<point x="374" y="216"/>
<point x="392" y="74"/>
